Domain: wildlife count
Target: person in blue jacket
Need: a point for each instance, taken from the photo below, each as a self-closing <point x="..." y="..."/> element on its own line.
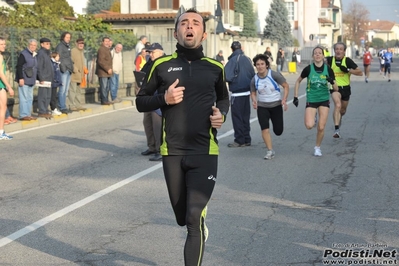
<point x="239" y="72"/>
<point x="388" y="60"/>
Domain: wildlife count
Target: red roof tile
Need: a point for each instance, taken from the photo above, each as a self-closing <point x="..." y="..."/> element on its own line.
<point x="113" y="16"/>
<point x="325" y="21"/>
<point x="326" y="4"/>
<point x="381" y="25"/>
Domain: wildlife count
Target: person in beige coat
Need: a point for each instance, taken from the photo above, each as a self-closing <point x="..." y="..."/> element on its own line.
<point x="78" y="60"/>
<point x="117" y="69"/>
<point x="104" y="70"/>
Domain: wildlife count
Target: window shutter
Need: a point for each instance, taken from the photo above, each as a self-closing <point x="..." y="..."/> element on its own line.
<point x="223" y="4"/>
<point x="176" y="4"/>
<point x="153" y="4"/>
<point x="231" y="4"/>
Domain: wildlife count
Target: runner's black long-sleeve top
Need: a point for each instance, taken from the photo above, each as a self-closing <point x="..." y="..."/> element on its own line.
<point x="186" y="126"/>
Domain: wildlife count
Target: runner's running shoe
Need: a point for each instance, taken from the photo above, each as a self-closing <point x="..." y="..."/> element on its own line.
<point x="4" y="136"/>
<point x="317" y="151"/>
<point x="206" y="231"/>
<point x="269" y="155"/>
<point x="336" y="134"/>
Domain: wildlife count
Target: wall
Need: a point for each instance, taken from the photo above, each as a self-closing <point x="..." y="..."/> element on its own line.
<point x="311" y="11"/>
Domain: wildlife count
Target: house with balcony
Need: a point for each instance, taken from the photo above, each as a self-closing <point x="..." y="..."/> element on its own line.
<point x="316" y="22"/>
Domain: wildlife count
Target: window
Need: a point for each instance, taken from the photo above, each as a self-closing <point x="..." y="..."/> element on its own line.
<point x="164" y="4"/>
<point x="323" y="13"/>
<point x="290" y="8"/>
<point x="227" y="4"/>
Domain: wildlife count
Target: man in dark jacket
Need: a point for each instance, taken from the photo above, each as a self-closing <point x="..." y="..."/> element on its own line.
<point x="66" y="67"/>
<point x="104" y="70"/>
<point x="219" y="57"/>
<point x="25" y="76"/>
<point x="152" y="121"/>
<point x="45" y="75"/>
<point x="239" y="72"/>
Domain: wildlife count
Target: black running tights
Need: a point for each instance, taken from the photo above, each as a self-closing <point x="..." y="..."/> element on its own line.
<point x="190" y="180"/>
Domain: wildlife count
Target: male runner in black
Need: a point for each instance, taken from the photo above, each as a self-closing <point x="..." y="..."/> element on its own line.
<point x="188" y="85"/>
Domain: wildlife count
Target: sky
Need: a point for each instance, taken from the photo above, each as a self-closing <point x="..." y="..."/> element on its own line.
<point x="379" y="9"/>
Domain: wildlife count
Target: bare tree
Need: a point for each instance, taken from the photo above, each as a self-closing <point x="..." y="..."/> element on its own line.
<point x="356" y="19"/>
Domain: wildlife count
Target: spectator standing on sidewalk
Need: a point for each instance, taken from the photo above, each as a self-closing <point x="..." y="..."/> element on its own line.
<point x="152" y="121"/>
<point x="4" y="88"/>
<point x="25" y="76"/>
<point x="57" y="82"/>
<point x="45" y="75"/>
<point x="78" y="59"/>
<point x="117" y="66"/>
<point x="269" y="55"/>
<point x="140" y="44"/>
<point x="280" y="60"/>
<point x="239" y="72"/>
<point x="141" y="59"/>
<point x="104" y="70"/>
<point x="219" y="57"/>
<point x="66" y="68"/>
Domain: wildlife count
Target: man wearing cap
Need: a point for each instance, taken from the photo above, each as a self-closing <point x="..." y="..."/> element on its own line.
<point x="77" y="75"/>
<point x="45" y="75"/>
<point x="239" y="72"/>
<point x="152" y="121"/>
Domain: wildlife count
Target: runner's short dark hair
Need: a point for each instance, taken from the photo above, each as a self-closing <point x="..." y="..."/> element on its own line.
<point x="191" y="10"/>
<point x="262" y="57"/>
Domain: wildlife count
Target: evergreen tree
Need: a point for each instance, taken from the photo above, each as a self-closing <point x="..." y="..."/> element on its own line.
<point x="278" y="27"/>
<point x="245" y="7"/>
<point x="95" y="6"/>
<point x="378" y="43"/>
<point x="116" y="6"/>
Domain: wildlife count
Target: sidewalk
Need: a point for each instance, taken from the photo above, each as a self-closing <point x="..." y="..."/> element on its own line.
<point x="92" y="108"/>
<point x="96" y="108"/>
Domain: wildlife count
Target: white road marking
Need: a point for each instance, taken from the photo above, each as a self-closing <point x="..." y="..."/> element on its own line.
<point x="32" y="227"/>
<point x="42" y="222"/>
<point x="69" y="120"/>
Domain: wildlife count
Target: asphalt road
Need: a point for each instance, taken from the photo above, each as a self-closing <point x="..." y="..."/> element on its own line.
<point x="80" y="193"/>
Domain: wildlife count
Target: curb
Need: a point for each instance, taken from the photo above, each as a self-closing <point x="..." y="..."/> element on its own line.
<point x="91" y="110"/>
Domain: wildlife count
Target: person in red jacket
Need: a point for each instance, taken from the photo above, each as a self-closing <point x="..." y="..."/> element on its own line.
<point x="367" y="58"/>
